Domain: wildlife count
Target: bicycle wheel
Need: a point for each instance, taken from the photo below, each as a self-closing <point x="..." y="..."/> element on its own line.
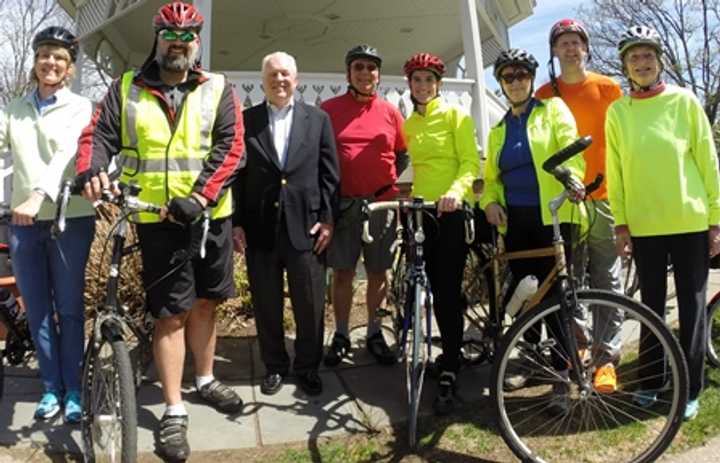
<point x="713" y="320"/>
<point x="109" y="422"/>
<point x="558" y="418"/>
<point x="483" y="328"/>
<point x="416" y="359"/>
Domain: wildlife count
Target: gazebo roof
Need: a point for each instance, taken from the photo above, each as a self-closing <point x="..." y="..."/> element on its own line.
<point x="316" y="32"/>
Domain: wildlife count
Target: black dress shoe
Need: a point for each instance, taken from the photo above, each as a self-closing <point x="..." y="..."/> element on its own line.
<point x="310" y="382"/>
<point x="271" y="383"/>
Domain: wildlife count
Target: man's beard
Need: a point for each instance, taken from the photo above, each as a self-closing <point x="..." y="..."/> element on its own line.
<point x="177" y="63"/>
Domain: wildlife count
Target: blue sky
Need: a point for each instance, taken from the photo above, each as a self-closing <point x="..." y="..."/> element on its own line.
<point x="532" y="34"/>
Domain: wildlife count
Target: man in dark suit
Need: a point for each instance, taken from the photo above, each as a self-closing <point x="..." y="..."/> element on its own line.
<point x="286" y="201"/>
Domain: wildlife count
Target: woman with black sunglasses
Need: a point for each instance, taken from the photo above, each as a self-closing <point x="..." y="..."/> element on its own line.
<point x="517" y="190"/>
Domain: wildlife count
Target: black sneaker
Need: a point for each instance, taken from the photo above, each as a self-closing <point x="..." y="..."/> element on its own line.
<point x="221" y="397"/>
<point x="310" y="382"/>
<point x="379" y="349"/>
<point x="445" y="401"/>
<point x="171" y="438"/>
<point x="339" y="349"/>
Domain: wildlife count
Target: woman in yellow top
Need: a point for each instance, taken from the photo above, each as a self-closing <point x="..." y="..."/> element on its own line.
<point x="445" y="160"/>
<point x="664" y="191"/>
<point x="517" y="190"/>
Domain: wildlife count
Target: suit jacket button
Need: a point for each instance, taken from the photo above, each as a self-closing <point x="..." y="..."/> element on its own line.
<point x="283" y="181"/>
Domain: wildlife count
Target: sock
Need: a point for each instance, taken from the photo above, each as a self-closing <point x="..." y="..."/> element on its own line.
<point x="200" y="381"/>
<point x="343" y="327"/>
<point x="373" y="326"/>
<point x="175" y="410"/>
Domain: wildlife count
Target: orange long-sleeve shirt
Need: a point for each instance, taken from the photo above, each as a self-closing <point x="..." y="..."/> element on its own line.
<point x="588" y="101"/>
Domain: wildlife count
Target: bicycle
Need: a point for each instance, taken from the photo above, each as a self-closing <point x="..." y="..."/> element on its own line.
<point x="118" y="349"/>
<point x="19" y="346"/>
<point x="412" y="321"/>
<point x="559" y="401"/>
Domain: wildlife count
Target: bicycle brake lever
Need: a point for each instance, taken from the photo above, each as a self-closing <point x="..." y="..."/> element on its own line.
<point x="205" y="230"/>
<point x="469" y="227"/>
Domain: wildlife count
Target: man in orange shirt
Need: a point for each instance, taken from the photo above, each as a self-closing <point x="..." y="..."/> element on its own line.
<point x="588" y="95"/>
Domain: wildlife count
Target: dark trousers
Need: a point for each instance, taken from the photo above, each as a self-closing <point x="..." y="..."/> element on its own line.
<point x="445" y="252"/>
<point x="306" y="282"/>
<point x="525" y="230"/>
<point x="689" y="256"/>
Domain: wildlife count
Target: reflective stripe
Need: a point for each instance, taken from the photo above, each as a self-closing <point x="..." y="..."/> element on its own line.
<point x="131" y="115"/>
<point x="208" y="107"/>
<point x="132" y="163"/>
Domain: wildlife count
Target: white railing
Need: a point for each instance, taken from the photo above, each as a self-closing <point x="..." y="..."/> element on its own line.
<point x="315" y="88"/>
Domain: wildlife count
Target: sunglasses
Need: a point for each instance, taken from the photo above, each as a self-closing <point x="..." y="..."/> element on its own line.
<point x="360" y="67"/>
<point x="171" y="36"/>
<point x="511" y="77"/>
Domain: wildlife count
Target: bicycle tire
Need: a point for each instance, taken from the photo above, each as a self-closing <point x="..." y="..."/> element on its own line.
<point x="415" y="362"/>
<point x="619" y="436"/>
<point x="109" y="407"/>
<point x="713" y="321"/>
<point x="2" y="373"/>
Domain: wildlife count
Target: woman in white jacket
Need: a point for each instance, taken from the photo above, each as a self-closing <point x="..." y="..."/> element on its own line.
<point x="41" y="130"/>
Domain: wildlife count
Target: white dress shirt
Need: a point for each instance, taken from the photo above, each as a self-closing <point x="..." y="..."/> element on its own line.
<point x="280" y="125"/>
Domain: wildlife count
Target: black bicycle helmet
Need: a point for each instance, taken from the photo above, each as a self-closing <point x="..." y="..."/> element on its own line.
<point x="515" y="57"/>
<point x="639" y="35"/>
<point x="363" y="51"/>
<point x="56" y="35"/>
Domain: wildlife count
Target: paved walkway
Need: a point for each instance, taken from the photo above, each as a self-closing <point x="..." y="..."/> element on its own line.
<point x="359" y="396"/>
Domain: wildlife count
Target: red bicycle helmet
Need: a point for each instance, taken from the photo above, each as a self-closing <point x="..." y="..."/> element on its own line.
<point x="177" y="15"/>
<point x="568" y="25"/>
<point x="426" y="61"/>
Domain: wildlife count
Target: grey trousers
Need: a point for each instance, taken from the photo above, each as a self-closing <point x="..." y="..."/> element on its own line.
<point x="603" y="266"/>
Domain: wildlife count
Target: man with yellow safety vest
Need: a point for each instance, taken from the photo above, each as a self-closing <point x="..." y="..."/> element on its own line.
<point x="179" y="132"/>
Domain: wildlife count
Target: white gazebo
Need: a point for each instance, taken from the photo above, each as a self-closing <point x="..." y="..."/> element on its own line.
<point x="118" y="34"/>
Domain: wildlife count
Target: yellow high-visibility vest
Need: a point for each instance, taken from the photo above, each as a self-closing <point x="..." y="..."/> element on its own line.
<point x="165" y="164"/>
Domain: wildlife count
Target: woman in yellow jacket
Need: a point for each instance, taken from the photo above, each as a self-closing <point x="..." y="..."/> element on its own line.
<point x="664" y="191"/>
<point x="442" y="148"/>
<point x="517" y="189"/>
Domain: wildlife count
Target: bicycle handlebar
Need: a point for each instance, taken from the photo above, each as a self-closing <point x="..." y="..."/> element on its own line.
<point x="414" y="204"/>
<point x="566" y="153"/>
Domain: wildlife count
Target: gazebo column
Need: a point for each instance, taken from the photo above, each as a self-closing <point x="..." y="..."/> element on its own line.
<point x="205" y="8"/>
<point x="474" y="67"/>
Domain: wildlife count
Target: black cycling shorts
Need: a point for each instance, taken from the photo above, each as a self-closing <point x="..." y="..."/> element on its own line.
<point x="208" y="278"/>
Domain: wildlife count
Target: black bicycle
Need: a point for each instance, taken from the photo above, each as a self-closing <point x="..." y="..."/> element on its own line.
<point x="411" y="296"/>
<point x="118" y="349"/>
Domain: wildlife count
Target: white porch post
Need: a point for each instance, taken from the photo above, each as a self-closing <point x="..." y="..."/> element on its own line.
<point x="474" y="67"/>
<point x="205" y="9"/>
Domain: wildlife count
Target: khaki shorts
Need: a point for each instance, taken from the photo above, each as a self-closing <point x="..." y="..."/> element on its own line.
<point x="347" y="242"/>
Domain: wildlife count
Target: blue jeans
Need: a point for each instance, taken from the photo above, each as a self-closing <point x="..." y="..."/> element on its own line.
<point x="50" y="274"/>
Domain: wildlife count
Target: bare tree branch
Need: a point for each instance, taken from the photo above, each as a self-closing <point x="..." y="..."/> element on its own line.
<point x="20" y="21"/>
<point x="690" y="32"/>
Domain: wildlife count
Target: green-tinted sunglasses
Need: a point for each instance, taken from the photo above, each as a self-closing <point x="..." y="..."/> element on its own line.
<point x="183" y="36"/>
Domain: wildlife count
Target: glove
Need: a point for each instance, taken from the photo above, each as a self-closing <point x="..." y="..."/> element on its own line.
<point x="185" y="210"/>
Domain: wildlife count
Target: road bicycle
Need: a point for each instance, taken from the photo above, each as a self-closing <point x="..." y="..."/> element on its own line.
<point x="19" y="346"/>
<point x="549" y="344"/>
<point x="110" y="374"/>
<point x="412" y="296"/>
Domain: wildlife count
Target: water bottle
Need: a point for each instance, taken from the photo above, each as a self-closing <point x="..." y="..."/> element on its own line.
<point x="11" y="310"/>
<point x="525" y="289"/>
